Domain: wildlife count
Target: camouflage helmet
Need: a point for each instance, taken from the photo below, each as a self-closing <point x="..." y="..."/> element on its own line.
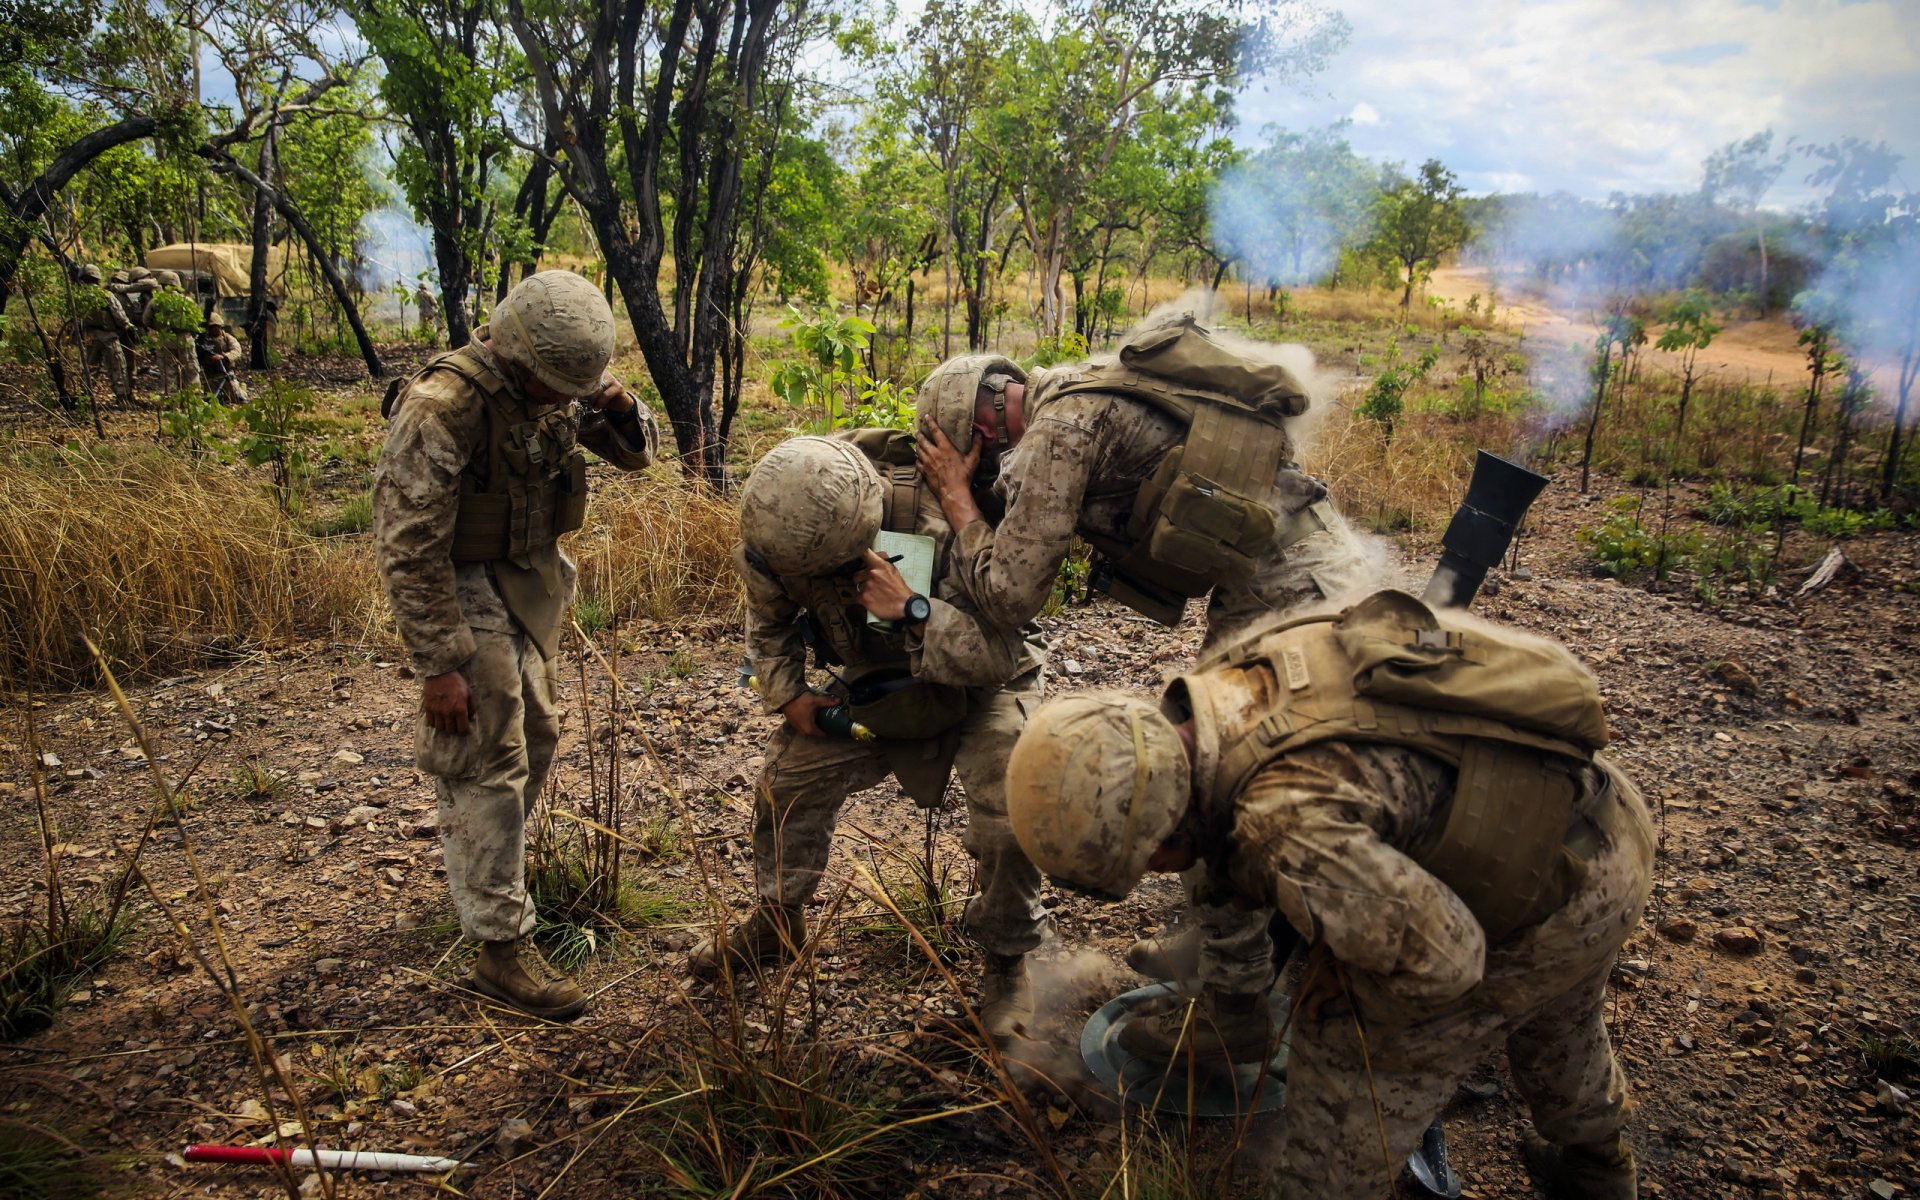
<point x="169" y="279"/>
<point x="90" y="273"/>
<point x="811" y="506"/>
<point x="558" y="326"/>
<point x="1096" y="782"/>
<point x="948" y="396"/>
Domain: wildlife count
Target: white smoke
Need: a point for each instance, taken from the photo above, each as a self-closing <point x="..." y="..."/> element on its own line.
<point x="394" y="248"/>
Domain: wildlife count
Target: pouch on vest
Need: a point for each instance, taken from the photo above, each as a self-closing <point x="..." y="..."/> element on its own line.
<point x="897" y="706"/>
<point x="1183" y="352"/>
<point x="1405" y="653"/>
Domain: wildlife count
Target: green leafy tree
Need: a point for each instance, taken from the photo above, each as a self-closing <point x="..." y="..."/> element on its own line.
<point x="1418" y="221"/>
<point x="1740" y="174"/>
<point x="448" y="62"/>
<point x="1290" y="209"/>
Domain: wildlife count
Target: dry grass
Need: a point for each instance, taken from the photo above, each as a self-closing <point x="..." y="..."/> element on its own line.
<point x="657" y="548"/>
<point x="1414" y="480"/>
<point x="160" y="561"/>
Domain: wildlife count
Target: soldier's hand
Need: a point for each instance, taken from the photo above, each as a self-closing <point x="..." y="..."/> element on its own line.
<point x="800" y="711"/>
<point x="611" y="396"/>
<point x="883" y="590"/>
<point x="949" y="472"/>
<point x="448" y="703"/>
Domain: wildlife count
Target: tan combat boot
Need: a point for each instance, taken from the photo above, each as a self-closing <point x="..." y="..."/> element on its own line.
<point x="1173" y="953"/>
<point x="1006" y="1001"/>
<point x="1601" y="1171"/>
<point x="1226" y="1030"/>
<point x="773" y="934"/>
<point x="516" y="973"/>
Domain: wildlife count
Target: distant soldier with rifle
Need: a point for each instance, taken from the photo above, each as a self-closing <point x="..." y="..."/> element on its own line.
<point x="925" y="687"/>
<point x="1421" y="794"/>
<point x="1173" y="460"/>
<point x="219" y="354"/>
<point x="106" y="333"/>
<point x="483" y="470"/>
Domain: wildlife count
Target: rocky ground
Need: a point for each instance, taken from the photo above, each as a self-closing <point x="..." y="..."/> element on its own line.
<point x="1765" y="1013"/>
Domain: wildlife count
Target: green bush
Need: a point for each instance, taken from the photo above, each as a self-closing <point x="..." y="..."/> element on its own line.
<point x="1621" y="545"/>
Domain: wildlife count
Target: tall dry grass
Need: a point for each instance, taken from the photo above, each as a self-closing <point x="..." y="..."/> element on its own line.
<point x="161" y="561"/>
<point x="656" y="548"/>
<point x="1415" y="478"/>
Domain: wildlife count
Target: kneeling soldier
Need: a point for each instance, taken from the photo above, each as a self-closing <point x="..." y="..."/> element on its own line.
<point x="1421" y="796"/>
<point x="938" y="689"/>
<point x="481" y="474"/>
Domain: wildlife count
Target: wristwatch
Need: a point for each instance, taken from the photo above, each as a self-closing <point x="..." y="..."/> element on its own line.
<point x="918" y="609"/>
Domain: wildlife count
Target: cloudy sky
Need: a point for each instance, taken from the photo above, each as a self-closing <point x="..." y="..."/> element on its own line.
<point x="1597" y="96"/>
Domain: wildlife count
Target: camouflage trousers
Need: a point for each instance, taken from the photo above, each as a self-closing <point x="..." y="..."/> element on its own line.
<point x="1368" y="1074"/>
<point x="103" y="351"/>
<point x="178" y="365"/>
<point x="488" y="781"/>
<point x="1237" y="955"/>
<point x="807" y="779"/>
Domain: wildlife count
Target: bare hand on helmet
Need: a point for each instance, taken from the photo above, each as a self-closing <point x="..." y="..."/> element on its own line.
<point x="949" y="473"/>
<point x="448" y="703"/>
<point x="610" y="397"/>
<point x="800" y="711"/>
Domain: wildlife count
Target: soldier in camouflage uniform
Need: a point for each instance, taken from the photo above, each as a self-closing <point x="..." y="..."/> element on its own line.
<point x="480" y="475"/>
<point x="429" y="312"/>
<point x="217" y="353"/>
<point x="174" y="320"/>
<point x="939" y="689"/>
<point x="1465" y="868"/>
<point x="105" y="329"/>
<point x="1072" y="464"/>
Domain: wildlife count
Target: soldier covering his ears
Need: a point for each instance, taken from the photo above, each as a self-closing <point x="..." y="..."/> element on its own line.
<point x="481" y="473"/>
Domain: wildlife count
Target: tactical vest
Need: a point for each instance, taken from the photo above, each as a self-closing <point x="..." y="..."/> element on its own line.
<point x="1203" y="519"/>
<point x="1516" y="715"/>
<point x="535" y="489"/>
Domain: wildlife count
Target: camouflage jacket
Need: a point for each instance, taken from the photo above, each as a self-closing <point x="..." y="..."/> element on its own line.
<point x="958" y="645"/>
<point x="1078" y="468"/>
<point x="439" y="434"/>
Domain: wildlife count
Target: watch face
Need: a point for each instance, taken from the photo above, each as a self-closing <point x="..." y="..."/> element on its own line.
<point x="918" y="609"/>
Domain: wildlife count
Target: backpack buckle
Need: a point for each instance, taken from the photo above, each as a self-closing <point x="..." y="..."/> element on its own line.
<point x="1448" y="640"/>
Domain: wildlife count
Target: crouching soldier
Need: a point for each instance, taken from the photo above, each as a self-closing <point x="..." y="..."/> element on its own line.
<point x="481" y="474"/>
<point x="1421" y="796"/>
<point x="934" y="687"/>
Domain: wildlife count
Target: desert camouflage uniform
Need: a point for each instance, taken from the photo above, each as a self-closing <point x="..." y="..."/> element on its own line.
<point x="102" y="333"/>
<point x="173" y="350"/>
<point x="429" y="313"/>
<point x="1079" y="468"/>
<point x="807" y="779"/>
<point x="219" y="345"/>
<point x="452" y="617"/>
<point x="1403" y="997"/>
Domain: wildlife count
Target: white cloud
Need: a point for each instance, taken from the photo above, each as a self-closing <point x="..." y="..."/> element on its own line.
<point x="1597" y="96"/>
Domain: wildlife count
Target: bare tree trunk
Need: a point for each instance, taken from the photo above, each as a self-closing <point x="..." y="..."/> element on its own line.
<point x="259" y="311"/>
<point x="1593" y="421"/>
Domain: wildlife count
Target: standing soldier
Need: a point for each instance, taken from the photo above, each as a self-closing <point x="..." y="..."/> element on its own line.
<point x="1174" y="461"/>
<point x="1421" y="795"/>
<point x="429" y="312"/>
<point x="175" y="322"/>
<point x="935" y="688"/>
<point x="481" y="474"/>
<point x="219" y="354"/>
<point x="105" y="332"/>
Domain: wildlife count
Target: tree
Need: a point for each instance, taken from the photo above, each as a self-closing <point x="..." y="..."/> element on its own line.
<point x="1086" y="82"/>
<point x="1741" y="173"/>
<point x="1294" y="205"/>
<point x="1418" y="221"/>
<point x="658" y="112"/>
<point x="447" y="64"/>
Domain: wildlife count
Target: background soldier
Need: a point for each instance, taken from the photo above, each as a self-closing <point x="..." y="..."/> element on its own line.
<point x="941" y="688"/>
<point x="175" y="322"/>
<point x="218" y="353"/>
<point x="1078" y="447"/>
<point x="429" y="312"/>
<point x="105" y="332"/>
<point x="1461" y="889"/>
<point x="480" y="475"/>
